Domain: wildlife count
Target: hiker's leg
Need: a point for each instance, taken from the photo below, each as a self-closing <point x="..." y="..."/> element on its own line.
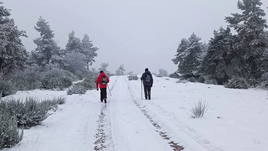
<point x="102" y="94"/>
<point x="149" y="93"/>
<point x="145" y="92"/>
<point x="105" y="95"/>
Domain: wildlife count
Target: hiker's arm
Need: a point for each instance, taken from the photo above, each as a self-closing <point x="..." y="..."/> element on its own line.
<point x="152" y="80"/>
<point x="97" y="85"/>
<point x="142" y="77"/>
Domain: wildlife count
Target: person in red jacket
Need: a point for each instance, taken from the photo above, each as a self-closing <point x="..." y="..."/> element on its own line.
<point x="102" y="83"/>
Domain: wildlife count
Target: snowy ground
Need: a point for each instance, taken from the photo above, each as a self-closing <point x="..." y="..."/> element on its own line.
<point x="236" y="119"/>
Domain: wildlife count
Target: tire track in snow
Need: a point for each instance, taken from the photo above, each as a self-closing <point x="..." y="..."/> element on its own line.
<point x="194" y="137"/>
<point x="205" y="143"/>
<point x="103" y="134"/>
<point x="158" y="127"/>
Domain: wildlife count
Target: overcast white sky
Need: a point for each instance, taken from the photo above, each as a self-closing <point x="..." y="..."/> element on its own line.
<point x="136" y="33"/>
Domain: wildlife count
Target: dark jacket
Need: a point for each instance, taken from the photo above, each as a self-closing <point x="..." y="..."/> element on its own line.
<point x="147" y="82"/>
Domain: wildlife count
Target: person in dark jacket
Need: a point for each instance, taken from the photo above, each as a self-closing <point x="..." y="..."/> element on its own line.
<point x="148" y="81"/>
<point x="102" y="83"/>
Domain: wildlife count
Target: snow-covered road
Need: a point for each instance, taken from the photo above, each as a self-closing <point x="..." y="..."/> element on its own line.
<point x="131" y="130"/>
<point x="236" y="120"/>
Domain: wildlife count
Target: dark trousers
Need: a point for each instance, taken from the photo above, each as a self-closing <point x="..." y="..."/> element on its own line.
<point x="147" y="92"/>
<point x="103" y="94"/>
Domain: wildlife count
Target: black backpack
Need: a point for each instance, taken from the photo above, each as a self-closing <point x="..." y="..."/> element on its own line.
<point x="148" y="79"/>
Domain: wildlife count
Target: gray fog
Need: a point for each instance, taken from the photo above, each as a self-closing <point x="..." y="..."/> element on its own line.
<point x="136" y="33"/>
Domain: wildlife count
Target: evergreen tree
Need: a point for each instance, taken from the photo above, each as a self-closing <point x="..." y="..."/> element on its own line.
<point x="217" y="61"/>
<point x="121" y="70"/>
<point x="250" y="45"/>
<point x="47" y="51"/>
<point x="189" y="55"/>
<point x="75" y="63"/>
<point x="264" y="58"/>
<point x="181" y="51"/>
<point x="13" y="55"/>
<point x="74" y="44"/>
<point x="74" y="59"/>
<point x="88" y="50"/>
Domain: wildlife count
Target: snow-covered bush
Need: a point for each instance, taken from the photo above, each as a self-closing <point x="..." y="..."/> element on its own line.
<point x="77" y="89"/>
<point x="32" y="111"/>
<point x="28" y="79"/>
<point x="60" y="100"/>
<point x="133" y="77"/>
<point x="192" y="79"/>
<point x="57" y="79"/>
<point x="199" y="110"/>
<point x="264" y="80"/>
<point x="9" y="132"/>
<point x="6" y="88"/>
<point x="162" y="73"/>
<point x="175" y="75"/>
<point x="209" y="80"/>
<point x="237" y="83"/>
<point x="89" y="83"/>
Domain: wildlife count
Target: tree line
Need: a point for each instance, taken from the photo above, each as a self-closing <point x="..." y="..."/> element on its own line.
<point x="237" y="53"/>
<point x="30" y="69"/>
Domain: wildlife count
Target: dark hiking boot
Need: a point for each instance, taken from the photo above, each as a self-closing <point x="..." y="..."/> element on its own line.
<point x="105" y="101"/>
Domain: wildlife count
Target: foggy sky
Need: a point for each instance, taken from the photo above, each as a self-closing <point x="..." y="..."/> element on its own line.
<point x="136" y="33"/>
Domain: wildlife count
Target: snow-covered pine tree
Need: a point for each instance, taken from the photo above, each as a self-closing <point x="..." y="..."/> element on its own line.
<point x="74" y="59"/>
<point x="189" y="56"/>
<point x="181" y="51"/>
<point x="13" y="55"/>
<point x="74" y="44"/>
<point x="216" y="62"/>
<point x="249" y="25"/>
<point x="75" y="63"/>
<point x="121" y="70"/>
<point x="88" y="50"/>
<point x="47" y="51"/>
<point x="264" y="58"/>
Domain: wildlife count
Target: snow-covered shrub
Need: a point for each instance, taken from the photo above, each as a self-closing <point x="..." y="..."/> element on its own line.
<point x="192" y="79"/>
<point x="6" y="88"/>
<point x="57" y="79"/>
<point x="209" y="80"/>
<point x="28" y="79"/>
<point x="89" y="82"/>
<point x="60" y="101"/>
<point x="9" y="132"/>
<point x="32" y="111"/>
<point x="237" y="83"/>
<point x="199" y="110"/>
<point x="182" y="81"/>
<point x="264" y="80"/>
<point x="133" y="77"/>
<point x="77" y="89"/>
<point x="162" y="73"/>
<point x="175" y="75"/>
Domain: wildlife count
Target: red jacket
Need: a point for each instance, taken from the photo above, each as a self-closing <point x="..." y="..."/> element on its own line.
<point x="99" y="82"/>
